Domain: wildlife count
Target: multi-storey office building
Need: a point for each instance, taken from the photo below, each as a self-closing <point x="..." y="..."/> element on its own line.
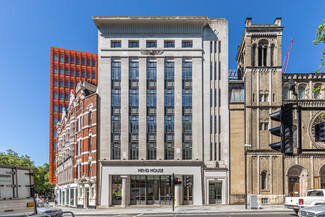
<point x="163" y="109"/>
<point x="77" y="149"/>
<point x="68" y="68"/>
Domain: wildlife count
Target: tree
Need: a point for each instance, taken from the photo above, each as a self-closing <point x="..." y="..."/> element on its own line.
<point x="41" y="179"/>
<point x="320" y="37"/>
<point x="12" y="158"/>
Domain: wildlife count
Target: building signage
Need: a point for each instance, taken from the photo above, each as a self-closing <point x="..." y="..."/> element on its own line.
<point x="5" y="179"/>
<point x="151" y="170"/>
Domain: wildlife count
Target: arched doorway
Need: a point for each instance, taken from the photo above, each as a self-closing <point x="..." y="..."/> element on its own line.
<point x="297" y="181"/>
<point x="322" y="177"/>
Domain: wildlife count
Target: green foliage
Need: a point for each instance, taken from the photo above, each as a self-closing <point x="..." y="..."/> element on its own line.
<point x="320" y="38"/>
<point x="41" y="178"/>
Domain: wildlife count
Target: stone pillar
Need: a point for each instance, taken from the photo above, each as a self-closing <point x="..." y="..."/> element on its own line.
<point x="256" y="55"/>
<point x="160" y="109"/>
<point x="124" y="191"/>
<point x="69" y="196"/>
<point x="268" y="55"/>
<point x="178" y="192"/>
<point x="262" y="54"/>
<point x="75" y="197"/>
<point x="142" y="108"/>
<point x="178" y="109"/>
<point x="125" y="108"/>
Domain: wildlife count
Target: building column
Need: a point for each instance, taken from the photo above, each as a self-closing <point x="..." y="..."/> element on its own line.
<point x="75" y="197"/>
<point x="178" y="192"/>
<point x="268" y="55"/>
<point x="178" y="139"/>
<point x="125" y="108"/>
<point x="160" y="138"/>
<point x="142" y="139"/>
<point x="69" y="196"/>
<point x="124" y="191"/>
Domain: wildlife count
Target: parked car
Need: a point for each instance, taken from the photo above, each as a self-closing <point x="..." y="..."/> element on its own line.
<point x="318" y="210"/>
<point x="44" y="208"/>
<point x="313" y="198"/>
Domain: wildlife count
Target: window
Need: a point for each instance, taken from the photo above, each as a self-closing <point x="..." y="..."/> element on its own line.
<point x="66" y="84"/>
<point x="186" y="44"/>
<point x="210" y="124"/>
<point x="61" y="83"/>
<point x="83" y="61"/>
<point x="72" y="60"/>
<point x="187" y="97"/>
<point x="151" y="70"/>
<point x="169" y="151"/>
<point x="61" y="96"/>
<point x="55" y="83"/>
<point x="134" y="70"/>
<point x="55" y="95"/>
<point x="151" y="124"/>
<point x="186" y="70"/>
<point x="134" y="97"/>
<point x="215" y="71"/>
<point x="219" y="124"/>
<point x="187" y="124"/>
<point x="55" y="58"/>
<point x="285" y="93"/>
<point x="215" y="98"/>
<point x="55" y="108"/>
<point x="94" y="63"/>
<point x="66" y="95"/>
<point x="261" y="126"/>
<point x="55" y="133"/>
<point x="134" y="151"/>
<point x="72" y="72"/>
<point x="79" y="147"/>
<point x="93" y="75"/>
<point x="169" y="124"/>
<point x="318" y="88"/>
<point x="88" y="62"/>
<point x="168" y="44"/>
<point x="134" y="124"/>
<point x="211" y="151"/>
<point x="90" y="118"/>
<point x="55" y="120"/>
<point x="61" y="71"/>
<point x="61" y="59"/>
<point x="219" y="46"/>
<point x="169" y="70"/>
<point x="67" y="59"/>
<point x="261" y="97"/>
<point x="55" y="70"/>
<point x="88" y="74"/>
<point x="90" y="169"/>
<point x="116" y="151"/>
<point x="116" y="70"/>
<point x="151" y="44"/>
<point x="54" y="145"/>
<point x="266" y="97"/>
<point x="219" y="65"/>
<point x="151" y="97"/>
<point x="116" y="97"/>
<point x="116" y="124"/>
<point x="169" y="97"/>
<point x="215" y="124"/>
<point x="61" y="108"/>
<point x="210" y="71"/>
<point x="301" y="92"/>
<point x="78" y="73"/>
<point x="210" y="98"/>
<point x="133" y="44"/>
<point x="82" y="73"/>
<point x="72" y="85"/>
<point x="151" y="151"/>
<point x="264" y="180"/>
<point x="90" y="144"/>
<point x="187" y="151"/>
<point x="266" y="126"/>
<point x="78" y="61"/>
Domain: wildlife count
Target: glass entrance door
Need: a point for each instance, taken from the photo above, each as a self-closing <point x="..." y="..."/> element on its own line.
<point x="215" y="192"/>
<point x="152" y="190"/>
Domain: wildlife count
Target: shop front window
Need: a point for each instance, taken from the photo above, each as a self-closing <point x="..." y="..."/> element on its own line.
<point x="116" y="190"/>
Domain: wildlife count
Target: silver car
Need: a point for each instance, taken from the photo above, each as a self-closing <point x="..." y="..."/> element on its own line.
<point x="318" y="211"/>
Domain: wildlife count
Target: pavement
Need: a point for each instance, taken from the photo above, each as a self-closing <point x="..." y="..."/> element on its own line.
<point x="145" y="210"/>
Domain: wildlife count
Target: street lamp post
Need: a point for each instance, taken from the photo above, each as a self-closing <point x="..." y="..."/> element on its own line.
<point x="245" y="149"/>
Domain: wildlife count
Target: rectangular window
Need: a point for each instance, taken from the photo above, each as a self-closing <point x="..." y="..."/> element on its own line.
<point x="151" y="70"/>
<point x="55" y="58"/>
<point x="94" y="63"/>
<point x="169" y="44"/>
<point x="219" y="97"/>
<point x="61" y="108"/>
<point x="90" y="144"/>
<point x="82" y="73"/>
<point x="55" y="120"/>
<point x="169" y="70"/>
<point x="169" y="97"/>
<point x="211" y="46"/>
<point x="61" y="71"/>
<point x="61" y="83"/>
<point x="151" y="124"/>
<point x="215" y="124"/>
<point x="134" y="151"/>
<point x="78" y="61"/>
<point x="210" y="124"/>
<point x="169" y="124"/>
<point x="215" y="71"/>
<point x="88" y="62"/>
<point x="219" y="124"/>
<point x="187" y="97"/>
<point x="261" y="97"/>
<point x="187" y="151"/>
<point x="134" y="124"/>
<point x="72" y="72"/>
<point x="61" y="96"/>
<point x="266" y="126"/>
<point x="151" y="97"/>
<point x="116" y="97"/>
<point x="219" y="46"/>
<point x="187" y="124"/>
<point x="55" y="83"/>
<point x="215" y="98"/>
<point x="67" y="59"/>
<point x="261" y="126"/>
<point x="134" y="97"/>
<point x="210" y="98"/>
<point x="83" y="61"/>
<point x="116" y="151"/>
<point x="210" y="71"/>
<point x="55" y="133"/>
<point x="78" y="73"/>
<point x="55" y="108"/>
<point x="186" y="44"/>
<point x="88" y="74"/>
<point x="116" y="70"/>
<point x="72" y="60"/>
<point x="133" y="44"/>
<point x="93" y="75"/>
<point x="55" y="95"/>
<point x="116" y="124"/>
<point x="215" y="151"/>
<point x="66" y="95"/>
<point x="90" y="118"/>
<point x="186" y="69"/>
<point x="66" y="84"/>
<point x="134" y="70"/>
<point x="211" y="151"/>
<point x="220" y="154"/>
<point x="72" y="85"/>
<point x="219" y="70"/>
<point x="169" y="151"/>
<point x="61" y="59"/>
<point x="55" y="70"/>
<point x="215" y="47"/>
<point x="151" y="151"/>
<point x="54" y="145"/>
<point x="151" y="44"/>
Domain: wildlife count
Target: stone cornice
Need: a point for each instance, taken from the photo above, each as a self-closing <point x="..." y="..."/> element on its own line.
<point x="303" y="76"/>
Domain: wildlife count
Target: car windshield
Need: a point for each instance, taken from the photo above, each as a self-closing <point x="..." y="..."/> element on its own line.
<point x="315" y="193"/>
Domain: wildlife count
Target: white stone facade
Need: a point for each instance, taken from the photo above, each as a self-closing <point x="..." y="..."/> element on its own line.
<point x="200" y="150"/>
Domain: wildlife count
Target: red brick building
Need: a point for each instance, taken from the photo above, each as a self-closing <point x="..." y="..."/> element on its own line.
<point x="77" y="149"/>
<point x="68" y="68"/>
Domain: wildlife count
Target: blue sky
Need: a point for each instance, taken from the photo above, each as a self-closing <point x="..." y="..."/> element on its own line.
<point x="30" y="28"/>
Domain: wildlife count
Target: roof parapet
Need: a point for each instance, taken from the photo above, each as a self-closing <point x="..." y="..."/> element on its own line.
<point x="248" y="21"/>
<point x="277" y="21"/>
